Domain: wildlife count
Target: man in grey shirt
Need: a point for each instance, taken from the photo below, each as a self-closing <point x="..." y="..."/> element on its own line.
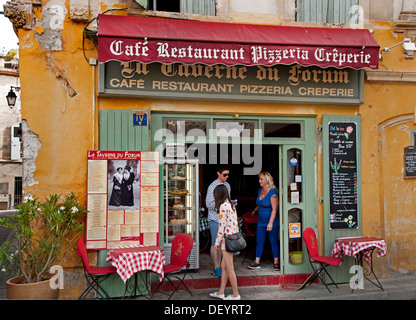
<point x="213" y="221"/>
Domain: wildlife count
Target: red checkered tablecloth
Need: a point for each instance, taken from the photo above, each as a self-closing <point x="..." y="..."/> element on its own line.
<point x="353" y="245"/>
<point x="131" y="259"/>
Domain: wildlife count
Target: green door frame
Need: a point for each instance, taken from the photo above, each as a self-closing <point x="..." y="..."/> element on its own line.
<point x="307" y="144"/>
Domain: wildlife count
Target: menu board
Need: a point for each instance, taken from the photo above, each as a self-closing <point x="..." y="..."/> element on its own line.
<point x="122" y="198"/>
<point x="343" y="191"/>
<point x="410" y="162"/>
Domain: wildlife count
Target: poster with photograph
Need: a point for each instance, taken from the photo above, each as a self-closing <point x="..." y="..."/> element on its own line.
<point x="123" y="187"/>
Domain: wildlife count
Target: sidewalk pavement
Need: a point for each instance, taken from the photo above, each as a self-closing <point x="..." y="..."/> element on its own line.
<point x="401" y="287"/>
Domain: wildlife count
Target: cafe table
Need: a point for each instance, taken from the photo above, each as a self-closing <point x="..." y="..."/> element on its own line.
<point x="130" y="260"/>
<point x="361" y="248"/>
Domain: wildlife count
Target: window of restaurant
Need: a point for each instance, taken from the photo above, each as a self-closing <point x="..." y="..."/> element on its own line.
<point x="275" y="129"/>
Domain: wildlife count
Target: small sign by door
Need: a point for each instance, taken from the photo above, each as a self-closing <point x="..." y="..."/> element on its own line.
<point x="410" y="162"/>
<point x="140" y="118"/>
<point x="294" y="230"/>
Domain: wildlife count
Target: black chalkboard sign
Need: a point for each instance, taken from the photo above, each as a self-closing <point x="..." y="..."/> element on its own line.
<point x="410" y="162"/>
<point x="343" y="195"/>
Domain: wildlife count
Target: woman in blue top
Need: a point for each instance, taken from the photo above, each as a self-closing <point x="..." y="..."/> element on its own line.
<point x="267" y="206"/>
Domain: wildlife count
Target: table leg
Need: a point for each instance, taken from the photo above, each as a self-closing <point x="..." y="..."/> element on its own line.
<point x="378" y="284"/>
<point x="359" y="261"/>
<point x="143" y="289"/>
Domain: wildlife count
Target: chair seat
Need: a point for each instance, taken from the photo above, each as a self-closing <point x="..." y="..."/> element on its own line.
<point x="332" y="261"/>
<point x="171" y="268"/>
<point x="101" y="270"/>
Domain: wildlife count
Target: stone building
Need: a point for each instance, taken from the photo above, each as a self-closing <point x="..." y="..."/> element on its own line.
<point x="88" y="68"/>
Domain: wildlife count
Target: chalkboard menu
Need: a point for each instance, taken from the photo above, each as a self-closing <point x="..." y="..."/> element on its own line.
<point x="343" y="175"/>
<point x="410" y="162"/>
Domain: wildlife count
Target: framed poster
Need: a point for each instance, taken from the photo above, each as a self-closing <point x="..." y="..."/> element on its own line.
<point x="410" y="162"/>
<point x="343" y="194"/>
<point x="122" y="198"/>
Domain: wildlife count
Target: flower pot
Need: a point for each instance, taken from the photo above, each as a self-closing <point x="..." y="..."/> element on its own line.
<point x="30" y="291"/>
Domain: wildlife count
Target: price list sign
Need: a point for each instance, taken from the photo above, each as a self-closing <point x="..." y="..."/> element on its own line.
<point x="122" y="198"/>
<point x="343" y="205"/>
<point x="410" y="162"/>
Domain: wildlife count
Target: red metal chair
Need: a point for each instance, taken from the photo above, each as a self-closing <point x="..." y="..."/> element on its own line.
<point x="250" y="224"/>
<point x="181" y="248"/>
<point x="309" y="238"/>
<point x="93" y="275"/>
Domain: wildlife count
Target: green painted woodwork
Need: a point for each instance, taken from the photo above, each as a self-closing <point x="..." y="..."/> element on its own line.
<point x="340" y="275"/>
<point x="307" y="144"/>
<point x="116" y="132"/>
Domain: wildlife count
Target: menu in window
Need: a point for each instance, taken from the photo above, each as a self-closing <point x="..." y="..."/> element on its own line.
<point x="122" y="198"/>
<point x="343" y="197"/>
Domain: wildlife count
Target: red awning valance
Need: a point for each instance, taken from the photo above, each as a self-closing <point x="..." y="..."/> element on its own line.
<point x="146" y="39"/>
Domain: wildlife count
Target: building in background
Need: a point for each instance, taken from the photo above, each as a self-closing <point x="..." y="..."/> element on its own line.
<point x="11" y="168"/>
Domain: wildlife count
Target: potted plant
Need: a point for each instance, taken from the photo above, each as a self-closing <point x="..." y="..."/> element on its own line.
<point x="43" y="233"/>
<point x="10" y="55"/>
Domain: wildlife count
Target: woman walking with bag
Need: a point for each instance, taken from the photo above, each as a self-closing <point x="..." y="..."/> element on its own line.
<point x="228" y="224"/>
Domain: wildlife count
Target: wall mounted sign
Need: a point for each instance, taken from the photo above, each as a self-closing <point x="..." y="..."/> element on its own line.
<point x="280" y="83"/>
<point x="151" y="39"/>
<point x="410" y="162"/>
<point x="343" y="193"/>
<point x="122" y="198"/>
<point x="140" y="118"/>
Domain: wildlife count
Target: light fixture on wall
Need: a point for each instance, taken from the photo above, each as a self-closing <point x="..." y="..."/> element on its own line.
<point x="409" y="49"/>
<point x="12" y="97"/>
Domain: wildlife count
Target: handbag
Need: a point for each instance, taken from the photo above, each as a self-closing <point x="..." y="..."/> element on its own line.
<point x="235" y="242"/>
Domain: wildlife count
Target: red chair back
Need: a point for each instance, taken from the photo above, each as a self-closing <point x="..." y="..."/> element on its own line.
<point x="249" y="218"/>
<point x="309" y="238"/>
<point x="181" y="247"/>
<point x="82" y="252"/>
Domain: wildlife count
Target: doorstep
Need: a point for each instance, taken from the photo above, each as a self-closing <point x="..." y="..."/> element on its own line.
<point x="244" y="281"/>
<point x="203" y="278"/>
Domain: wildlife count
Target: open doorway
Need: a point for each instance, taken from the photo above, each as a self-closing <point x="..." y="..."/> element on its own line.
<point x="244" y="187"/>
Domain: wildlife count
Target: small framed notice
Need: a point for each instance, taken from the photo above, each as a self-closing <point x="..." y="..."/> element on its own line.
<point x="410" y="162"/>
<point x="122" y="198"/>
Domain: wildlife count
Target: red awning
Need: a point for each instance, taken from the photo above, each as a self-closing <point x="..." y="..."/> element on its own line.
<point x="147" y="39"/>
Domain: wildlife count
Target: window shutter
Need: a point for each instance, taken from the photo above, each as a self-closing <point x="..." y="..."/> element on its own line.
<point x="116" y="132"/>
<point x="205" y="7"/>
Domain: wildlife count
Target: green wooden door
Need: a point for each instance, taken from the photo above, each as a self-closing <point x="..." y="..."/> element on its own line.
<point x="297" y="199"/>
<point x="340" y="275"/>
<point x="116" y="132"/>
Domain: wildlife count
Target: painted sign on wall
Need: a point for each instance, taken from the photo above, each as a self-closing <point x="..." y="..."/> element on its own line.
<point x="281" y="83"/>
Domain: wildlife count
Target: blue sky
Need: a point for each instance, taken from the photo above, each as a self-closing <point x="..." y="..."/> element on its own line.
<point x="8" y="39"/>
